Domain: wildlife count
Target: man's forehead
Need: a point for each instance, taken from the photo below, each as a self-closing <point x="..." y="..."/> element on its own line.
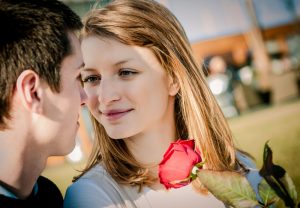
<point x="75" y="49"/>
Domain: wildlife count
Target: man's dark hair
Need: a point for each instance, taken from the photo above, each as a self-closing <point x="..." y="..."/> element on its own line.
<point x="33" y="35"/>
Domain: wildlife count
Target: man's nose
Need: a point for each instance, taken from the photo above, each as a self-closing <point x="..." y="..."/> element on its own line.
<point x="83" y="96"/>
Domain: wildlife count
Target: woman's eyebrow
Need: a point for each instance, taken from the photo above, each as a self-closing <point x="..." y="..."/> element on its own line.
<point x="80" y="66"/>
<point x="115" y="64"/>
<point x="121" y="62"/>
<point x="87" y="69"/>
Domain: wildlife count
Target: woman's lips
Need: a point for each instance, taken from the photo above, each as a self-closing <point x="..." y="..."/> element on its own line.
<point x="114" y="115"/>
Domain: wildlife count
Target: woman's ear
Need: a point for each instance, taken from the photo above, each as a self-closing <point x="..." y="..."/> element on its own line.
<point x="29" y="91"/>
<point x="173" y="86"/>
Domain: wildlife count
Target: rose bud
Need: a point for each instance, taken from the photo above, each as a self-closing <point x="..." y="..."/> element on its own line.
<point x="177" y="164"/>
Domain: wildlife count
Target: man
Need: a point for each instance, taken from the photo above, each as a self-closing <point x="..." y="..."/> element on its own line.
<point x="40" y="97"/>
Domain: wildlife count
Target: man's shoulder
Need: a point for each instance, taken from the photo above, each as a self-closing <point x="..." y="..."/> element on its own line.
<point x="46" y="184"/>
<point x="48" y="192"/>
<point x="45" y="194"/>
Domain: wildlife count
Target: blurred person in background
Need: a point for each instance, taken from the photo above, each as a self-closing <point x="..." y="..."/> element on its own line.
<point x="145" y="91"/>
<point x="220" y="80"/>
<point x="40" y="97"/>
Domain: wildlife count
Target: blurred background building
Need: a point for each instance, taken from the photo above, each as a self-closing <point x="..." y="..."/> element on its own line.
<point x="248" y="49"/>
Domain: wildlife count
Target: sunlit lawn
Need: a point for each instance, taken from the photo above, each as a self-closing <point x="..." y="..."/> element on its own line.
<point x="280" y="124"/>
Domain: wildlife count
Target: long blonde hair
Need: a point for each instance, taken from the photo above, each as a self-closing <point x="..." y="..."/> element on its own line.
<point x="146" y="23"/>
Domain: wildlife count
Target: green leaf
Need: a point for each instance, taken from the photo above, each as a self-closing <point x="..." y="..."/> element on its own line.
<point x="268" y="167"/>
<point x="278" y="179"/>
<point x="230" y="187"/>
<point x="267" y="194"/>
<point x="279" y="204"/>
<point x="290" y="186"/>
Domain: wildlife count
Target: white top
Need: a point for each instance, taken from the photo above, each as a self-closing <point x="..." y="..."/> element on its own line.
<point x="97" y="189"/>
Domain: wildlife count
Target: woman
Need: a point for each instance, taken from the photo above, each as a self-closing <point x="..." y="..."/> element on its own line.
<point x="145" y="90"/>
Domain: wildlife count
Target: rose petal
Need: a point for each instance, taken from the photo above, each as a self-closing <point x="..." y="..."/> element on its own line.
<point x="177" y="164"/>
<point x="189" y="143"/>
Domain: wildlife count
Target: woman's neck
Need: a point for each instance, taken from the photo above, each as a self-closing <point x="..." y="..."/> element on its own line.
<point x="149" y="147"/>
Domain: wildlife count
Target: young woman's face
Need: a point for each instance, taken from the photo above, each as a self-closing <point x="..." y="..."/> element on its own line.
<point x="128" y="91"/>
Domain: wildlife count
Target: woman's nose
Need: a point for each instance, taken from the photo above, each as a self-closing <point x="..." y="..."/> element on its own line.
<point x="108" y="92"/>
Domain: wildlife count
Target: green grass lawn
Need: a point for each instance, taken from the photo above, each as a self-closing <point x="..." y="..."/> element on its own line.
<point x="280" y="124"/>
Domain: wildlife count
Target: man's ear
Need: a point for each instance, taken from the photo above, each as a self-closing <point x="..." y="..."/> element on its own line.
<point x="173" y="86"/>
<point x="29" y="90"/>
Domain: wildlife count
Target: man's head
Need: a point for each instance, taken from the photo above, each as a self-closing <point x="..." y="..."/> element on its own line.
<point x="40" y="59"/>
<point x="33" y="36"/>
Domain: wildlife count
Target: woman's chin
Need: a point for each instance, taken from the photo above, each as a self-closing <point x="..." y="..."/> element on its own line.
<point x="119" y="134"/>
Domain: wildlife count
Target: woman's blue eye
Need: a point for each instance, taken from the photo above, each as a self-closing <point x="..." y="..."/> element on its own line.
<point x="126" y="73"/>
<point x="91" y="79"/>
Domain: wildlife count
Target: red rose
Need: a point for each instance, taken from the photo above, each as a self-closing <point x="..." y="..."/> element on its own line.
<point x="177" y="164"/>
